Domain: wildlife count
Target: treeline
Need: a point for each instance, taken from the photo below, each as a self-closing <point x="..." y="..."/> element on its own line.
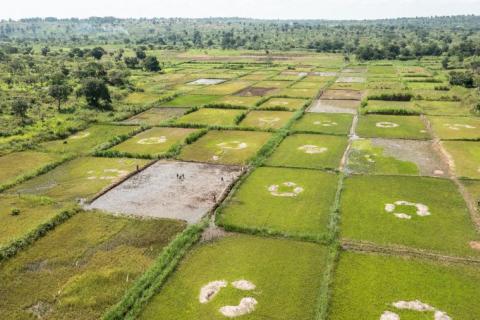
<point x="405" y="38"/>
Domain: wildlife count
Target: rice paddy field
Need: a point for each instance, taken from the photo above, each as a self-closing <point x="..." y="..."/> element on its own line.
<point x="305" y="186"/>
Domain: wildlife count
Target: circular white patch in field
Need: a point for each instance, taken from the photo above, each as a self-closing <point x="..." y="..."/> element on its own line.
<point x="233" y="145"/>
<point x="415" y="305"/>
<point x="387" y="124"/>
<point x="246" y="305"/>
<point x="422" y="210"/>
<point x="312" y="149"/>
<point x="438" y="172"/>
<point x="369" y="158"/>
<point x="458" y="126"/>
<point x="153" y="140"/>
<point x="325" y="123"/>
<point x="108" y="174"/>
<point x="475" y="245"/>
<point x="289" y="189"/>
<point x="80" y="135"/>
<point x="269" y="120"/>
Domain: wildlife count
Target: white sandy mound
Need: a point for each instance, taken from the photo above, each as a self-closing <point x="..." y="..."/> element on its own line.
<point x="243" y="285"/>
<point x="210" y="290"/>
<point x="387" y="124"/>
<point x="269" y="120"/>
<point x="312" y="149"/>
<point x="415" y="305"/>
<point x="325" y="123"/>
<point x="422" y="210"/>
<point x="387" y="315"/>
<point x="153" y="140"/>
<point x="475" y="245"/>
<point x="80" y="135"/>
<point x="295" y="190"/>
<point x="233" y="145"/>
<point x="438" y="172"/>
<point x="458" y="126"/>
<point x="246" y="306"/>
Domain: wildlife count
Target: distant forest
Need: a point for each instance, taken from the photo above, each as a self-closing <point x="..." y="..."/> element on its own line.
<point x="404" y="38"/>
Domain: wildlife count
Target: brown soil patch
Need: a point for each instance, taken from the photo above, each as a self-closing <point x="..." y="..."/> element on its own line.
<point x="255" y="92"/>
<point x="170" y="189"/>
<point x="475" y="245"/>
<point x="40" y="310"/>
<point x="342" y="95"/>
<point x="335" y="106"/>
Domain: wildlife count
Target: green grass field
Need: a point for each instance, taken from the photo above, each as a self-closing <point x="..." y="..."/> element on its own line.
<point x="444" y="108"/>
<point x="238" y="101"/>
<point x="223" y="89"/>
<point x="153" y="142"/>
<point x="289" y="201"/>
<point x="286" y="288"/>
<point x="82" y="267"/>
<point x="190" y="101"/>
<point x="299" y="92"/>
<point x="79" y="178"/>
<point x="395" y="127"/>
<point x="86" y="141"/>
<point x="225" y="147"/>
<point x="312" y="151"/>
<point x="20" y="164"/>
<point x="456" y="128"/>
<point x="365" y="286"/>
<point x="155" y="116"/>
<point x="266" y="119"/>
<point x="32" y="212"/>
<point x="446" y="229"/>
<point x="211" y="117"/>
<point x="272" y="84"/>
<point x="287" y="103"/>
<point x="329" y="123"/>
<point x="466" y="157"/>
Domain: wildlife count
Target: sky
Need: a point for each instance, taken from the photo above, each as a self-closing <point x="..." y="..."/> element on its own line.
<point x="270" y="9"/>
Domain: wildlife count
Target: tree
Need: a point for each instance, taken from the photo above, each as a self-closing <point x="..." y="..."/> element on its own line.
<point x="96" y="93"/>
<point x="45" y="51"/>
<point x="20" y="107"/>
<point x="464" y="79"/>
<point x="445" y="62"/>
<point x="131" y="62"/>
<point x="151" y="64"/>
<point x="60" y="92"/>
<point x="97" y="53"/>
<point x="140" y="54"/>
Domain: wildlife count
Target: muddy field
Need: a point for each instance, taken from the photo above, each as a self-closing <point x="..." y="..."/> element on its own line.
<point x="255" y="92"/>
<point x="335" y="106"/>
<point x="170" y="189"/>
<point x="342" y="95"/>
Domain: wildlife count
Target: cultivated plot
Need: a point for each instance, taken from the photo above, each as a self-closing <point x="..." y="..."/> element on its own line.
<point x="288" y="201"/>
<point x="81" y="268"/>
<point x="15" y="165"/>
<point x="324" y="123"/>
<point x="285" y="103"/>
<point x="464" y="158"/>
<point x="155" y="116"/>
<point x="225" y="147"/>
<point x="79" y="178"/>
<point x="418" y="212"/>
<point x="342" y="95"/>
<point x="391" y="107"/>
<point x="272" y="84"/>
<point x="225" y="88"/>
<point x="22" y="214"/>
<point x="86" y="141"/>
<point x="245" y="277"/>
<point x="445" y="108"/>
<point x="256" y="92"/>
<point x="211" y="117"/>
<point x="299" y="92"/>
<point x="153" y="142"/>
<point x="334" y="106"/>
<point x="395" y="127"/>
<point x="396" y="156"/>
<point x="188" y="101"/>
<point x="170" y="189"/>
<point x="266" y="119"/>
<point x="386" y="288"/>
<point x="313" y="151"/>
<point x="238" y="101"/>
<point x="456" y="128"/>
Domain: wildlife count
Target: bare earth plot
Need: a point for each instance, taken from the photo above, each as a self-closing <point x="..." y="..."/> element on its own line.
<point x="342" y="95"/>
<point x="158" y="192"/>
<point x="335" y="106"/>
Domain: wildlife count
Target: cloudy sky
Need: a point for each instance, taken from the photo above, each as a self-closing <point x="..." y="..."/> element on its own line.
<point x="276" y="9"/>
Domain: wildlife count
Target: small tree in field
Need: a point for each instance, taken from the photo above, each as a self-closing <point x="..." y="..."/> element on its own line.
<point x="20" y="107"/>
<point x="97" y="94"/>
<point x="151" y="64"/>
<point x="60" y="92"/>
